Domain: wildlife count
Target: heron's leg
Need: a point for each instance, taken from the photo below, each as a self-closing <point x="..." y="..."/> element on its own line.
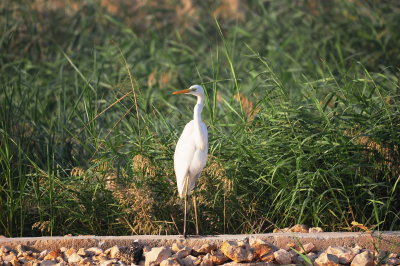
<point x="195" y="214"/>
<point x="186" y="196"/>
<point x="184" y="218"/>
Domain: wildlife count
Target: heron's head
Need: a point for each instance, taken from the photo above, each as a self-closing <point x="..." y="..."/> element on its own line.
<point x="195" y="90"/>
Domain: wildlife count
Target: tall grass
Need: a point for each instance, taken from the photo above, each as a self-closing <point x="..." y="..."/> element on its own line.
<point x="302" y="109"/>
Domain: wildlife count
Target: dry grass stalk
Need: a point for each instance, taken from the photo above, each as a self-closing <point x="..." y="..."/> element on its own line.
<point x="143" y="165"/>
<point x="230" y="9"/>
<point x="247" y="106"/>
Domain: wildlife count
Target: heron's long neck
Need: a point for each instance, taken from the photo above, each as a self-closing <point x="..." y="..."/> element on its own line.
<point x="198" y="108"/>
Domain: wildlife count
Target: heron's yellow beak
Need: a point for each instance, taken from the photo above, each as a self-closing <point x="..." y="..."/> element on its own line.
<point x="182" y="91"/>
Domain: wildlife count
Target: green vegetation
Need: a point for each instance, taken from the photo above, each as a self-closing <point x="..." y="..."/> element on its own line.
<point x="303" y="112"/>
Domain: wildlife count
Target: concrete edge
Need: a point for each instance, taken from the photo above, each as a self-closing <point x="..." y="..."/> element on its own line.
<point x="388" y="241"/>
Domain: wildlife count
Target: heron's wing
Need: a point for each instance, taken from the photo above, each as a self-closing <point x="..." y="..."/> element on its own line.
<point x="199" y="158"/>
<point x="184" y="152"/>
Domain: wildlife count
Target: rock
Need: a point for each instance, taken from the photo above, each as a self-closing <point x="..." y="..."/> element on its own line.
<point x="356" y="250"/>
<point x="393" y="261"/>
<point x="107" y="263"/>
<point x="260" y="247"/>
<point x="69" y="252"/>
<point x="218" y="257"/>
<point x="157" y="255"/>
<point x="363" y="259"/>
<point x="176" y="247"/>
<point x="170" y="262"/>
<point x="207" y="260"/>
<point x="299" y="228"/>
<point x="233" y="263"/>
<point x="48" y="262"/>
<point x="312" y="256"/>
<point x="20" y="248"/>
<point x="189" y="260"/>
<point x="283" y="257"/>
<point x="185" y="251"/>
<point x="85" y="262"/>
<point x="325" y="259"/>
<point x="81" y="252"/>
<point x="15" y="262"/>
<point x="52" y="255"/>
<point x="268" y="257"/>
<point x="315" y="230"/>
<point x="237" y="253"/>
<point x="100" y="258"/>
<point x="95" y="250"/>
<point x="307" y="248"/>
<point x="61" y="264"/>
<point x="345" y="255"/>
<point x="74" y="258"/>
<point x="63" y="249"/>
<point x="114" y="252"/>
<point x="9" y="257"/>
<point x="132" y="254"/>
<point x="204" y="249"/>
<point x="393" y="255"/>
<point x="43" y="254"/>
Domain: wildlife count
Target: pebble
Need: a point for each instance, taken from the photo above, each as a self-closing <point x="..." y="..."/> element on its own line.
<point x="282" y="256"/>
<point x="236" y="251"/>
<point x="252" y="251"/>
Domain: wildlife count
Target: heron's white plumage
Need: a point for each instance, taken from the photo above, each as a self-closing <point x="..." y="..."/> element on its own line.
<point x="192" y="148"/>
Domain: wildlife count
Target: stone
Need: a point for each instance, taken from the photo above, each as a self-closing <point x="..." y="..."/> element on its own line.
<point x="69" y="252"/>
<point x="363" y="259"/>
<point x="107" y="263"/>
<point x="307" y="248"/>
<point x="189" y="260"/>
<point x="52" y="255"/>
<point x="356" y="250"/>
<point x="9" y="257"/>
<point x="315" y="230"/>
<point x="95" y="250"/>
<point x="74" y="258"/>
<point x="157" y="255"/>
<point x="393" y="255"/>
<point x="100" y="258"/>
<point x="43" y="254"/>
<point x="237" y="253"/>
<point x="325" y="259"/>
<point x="218" y="257"/>
<point x="312" y="256"/>
<point x="15" y="262"/>
<point x="61" y="264"/>
<point x="207" y="260"/>
<point x="185" y="251"/>
<point x="132" y="254"/>
<point x="176" y="247"/>
<point x="282" y="256"/>
<point x="20" y="248"/>
<point x="63" y="249"/>
<point x="393" y="261"/>
<point x="268" y="257"/>
<point x="114" y="252"/>
<point x="233" y="263"/>
<point x="170" y="262"/>
<point x="260" y="247"/>
<point x="299" y="228"/>
<point x="204" y="249"/>
<point x="345" y="255"/>
<point x="85" y="261"/>
<point x="81" y="252"/>
<point x="47" y="262"/>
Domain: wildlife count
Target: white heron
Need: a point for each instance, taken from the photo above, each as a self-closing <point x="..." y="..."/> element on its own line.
<point x="191" y="151"/>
